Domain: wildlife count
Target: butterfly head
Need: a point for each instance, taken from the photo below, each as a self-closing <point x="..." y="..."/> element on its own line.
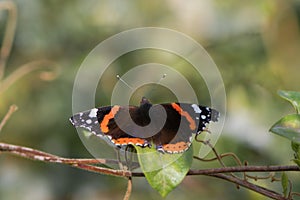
<point x="144" y="101"/>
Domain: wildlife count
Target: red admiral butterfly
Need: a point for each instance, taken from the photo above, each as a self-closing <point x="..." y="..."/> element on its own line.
<point x="182" y="120"/>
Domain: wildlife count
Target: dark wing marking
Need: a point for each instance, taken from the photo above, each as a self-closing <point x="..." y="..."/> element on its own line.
<point x="118" y="136"/>
<point x="176" y="128"/>
<point x="179" y="125"/>
<point x="89" y="119"/>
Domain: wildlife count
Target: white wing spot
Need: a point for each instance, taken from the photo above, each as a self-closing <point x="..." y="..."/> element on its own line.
<point x="89" y="121"/>
<point x="93" y="113"/>
<point x="196" y="108"/>
<point x="203" y="117"/>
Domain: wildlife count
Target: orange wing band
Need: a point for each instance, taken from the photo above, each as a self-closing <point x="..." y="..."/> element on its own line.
<point x="104" y="124"/>
<point x="186" y="115"/>
<point x="176" y="148"/>
<point x="126" y="141"/>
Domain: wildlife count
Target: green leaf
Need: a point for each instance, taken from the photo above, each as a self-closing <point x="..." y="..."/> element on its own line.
<point x="293" y="97"/>
<point x="284" y="183"/>
<point x="288" y="127"/>
<point x="164" y="171"/>
<point x="296" y="149"/>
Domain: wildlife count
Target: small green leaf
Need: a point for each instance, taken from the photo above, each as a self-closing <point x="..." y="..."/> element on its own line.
<point x="284" y="183"/>
<point x="164" y="171"/>
<point x="288" y="127"/>
<point x="297" y="161"/>
<point x="293" y="97"/>
<point x="296" y="149"/>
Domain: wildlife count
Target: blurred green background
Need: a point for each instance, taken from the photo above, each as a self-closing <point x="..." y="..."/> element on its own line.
<point x="255" y="44"/>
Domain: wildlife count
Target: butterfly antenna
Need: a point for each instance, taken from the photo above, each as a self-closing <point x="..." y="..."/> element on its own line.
<point x="163" y="76"/>
<point x="158" y="82"/>
<point x="118" y="77"/>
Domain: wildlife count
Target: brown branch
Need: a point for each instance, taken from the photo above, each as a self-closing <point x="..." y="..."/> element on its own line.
<point x="46" y="157"/>
<point x="275" y="168"/>
<point x="86" y="164"/>
<point x="33" y="154"/>
<point x="248" y="168"/>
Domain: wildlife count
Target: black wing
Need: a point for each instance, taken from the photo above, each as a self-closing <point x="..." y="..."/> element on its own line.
<point x="182" y="121"/>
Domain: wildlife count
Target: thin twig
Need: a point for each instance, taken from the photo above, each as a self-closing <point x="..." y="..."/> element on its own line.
<point x="251" y="186"/>
<point x="270" y="175"/>
<point x="223" y="155"/>
<point x="207" y="142"/>
<point x="25" y="69"/>
<point x="220" y="156"/>
<point x="8" y="34"/>
<point x="11" y="110"/>
<point x="295" y="194"/>
<point x="129" y="189"/>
